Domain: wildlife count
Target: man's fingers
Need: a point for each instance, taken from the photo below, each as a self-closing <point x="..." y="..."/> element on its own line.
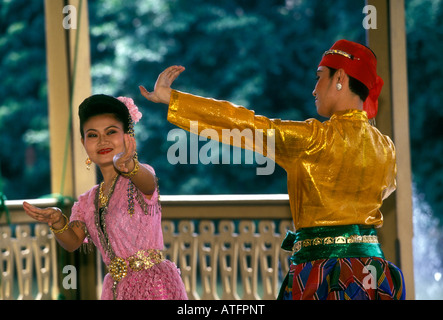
<point x="144" y="92"/>
<point x="163" y="84"/>
<point x="173" y="72"/>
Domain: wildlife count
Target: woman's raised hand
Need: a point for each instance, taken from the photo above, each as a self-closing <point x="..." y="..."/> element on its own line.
<point x="124" y="160"/>
<point x="162" y="88"/>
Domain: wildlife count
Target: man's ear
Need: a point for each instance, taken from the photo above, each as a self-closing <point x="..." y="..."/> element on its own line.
<point x="341" y="77"/>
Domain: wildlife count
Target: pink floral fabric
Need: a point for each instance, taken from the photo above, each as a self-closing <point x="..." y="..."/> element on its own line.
<point x="161" y="282"/>
<point x="127" y="235"/>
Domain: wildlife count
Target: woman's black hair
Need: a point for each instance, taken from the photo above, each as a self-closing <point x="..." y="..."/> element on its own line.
<point x="103" y="104"/>
<point x="355" y="85"/>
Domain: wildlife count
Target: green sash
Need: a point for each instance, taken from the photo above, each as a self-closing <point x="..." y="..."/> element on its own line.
<point x="350" y="241"/>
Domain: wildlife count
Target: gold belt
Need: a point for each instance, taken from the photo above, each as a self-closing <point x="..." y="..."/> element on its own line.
<point x="333" y="240"/>
<point x="142" y="260"/>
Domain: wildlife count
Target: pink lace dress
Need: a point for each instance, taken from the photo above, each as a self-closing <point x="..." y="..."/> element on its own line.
<point x="118" y="234"/>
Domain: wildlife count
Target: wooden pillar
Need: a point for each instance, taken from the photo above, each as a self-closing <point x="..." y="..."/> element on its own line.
<point x="388" y="41"/>
<point x="82" y="87"/>
<point x="58" y="98"/>
<point x="69" y="83"/>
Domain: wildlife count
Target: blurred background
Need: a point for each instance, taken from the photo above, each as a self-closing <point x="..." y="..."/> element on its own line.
<point x="260" y="54"/>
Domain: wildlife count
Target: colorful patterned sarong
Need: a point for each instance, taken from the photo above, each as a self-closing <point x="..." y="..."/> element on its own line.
<point x="343" y="273"/>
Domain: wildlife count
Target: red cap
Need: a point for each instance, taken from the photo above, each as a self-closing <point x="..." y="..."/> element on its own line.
<point x="360" y="63"/>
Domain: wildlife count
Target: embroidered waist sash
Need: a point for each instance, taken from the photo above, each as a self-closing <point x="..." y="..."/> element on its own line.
<point x="142" y="260"/>
<point x="350" y="241"/>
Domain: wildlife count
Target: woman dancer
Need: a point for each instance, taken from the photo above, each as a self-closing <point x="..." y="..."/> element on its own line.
<point x="339" y="171"/>
<point x="121" y="215"/>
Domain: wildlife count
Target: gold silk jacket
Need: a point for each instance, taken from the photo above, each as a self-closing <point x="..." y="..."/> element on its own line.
<point x="339" y="171"/>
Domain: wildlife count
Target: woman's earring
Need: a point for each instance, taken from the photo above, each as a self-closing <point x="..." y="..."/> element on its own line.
<point x="339" y="86"/>
<point x="88" y="163"/>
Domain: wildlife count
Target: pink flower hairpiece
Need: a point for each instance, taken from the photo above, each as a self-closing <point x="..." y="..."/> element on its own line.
<point x="133" y="109"/>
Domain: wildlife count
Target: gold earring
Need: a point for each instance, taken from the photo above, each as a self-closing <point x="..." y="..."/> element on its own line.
<point x="88" y="163"/>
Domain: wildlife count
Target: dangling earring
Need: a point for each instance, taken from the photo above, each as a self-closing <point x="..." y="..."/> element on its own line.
<point x="88" y="163"/>
<point x="339" y="86"/>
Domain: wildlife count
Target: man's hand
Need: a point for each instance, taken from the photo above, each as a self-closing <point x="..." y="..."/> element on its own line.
<point x="162" y="88"/>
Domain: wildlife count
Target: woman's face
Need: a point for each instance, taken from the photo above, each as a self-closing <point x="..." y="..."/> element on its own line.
<point x="324" y="92"/>
<point x="103" y="138"/>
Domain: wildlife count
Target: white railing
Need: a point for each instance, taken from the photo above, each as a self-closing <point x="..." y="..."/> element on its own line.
<point x="227" y="247"/>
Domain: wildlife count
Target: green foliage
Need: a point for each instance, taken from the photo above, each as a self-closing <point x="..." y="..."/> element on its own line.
<point x="425" y="45"/>
<point x="24" y="156"/>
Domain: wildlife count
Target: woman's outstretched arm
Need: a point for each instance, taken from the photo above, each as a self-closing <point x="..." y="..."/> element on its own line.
<point x="69" y="236"/>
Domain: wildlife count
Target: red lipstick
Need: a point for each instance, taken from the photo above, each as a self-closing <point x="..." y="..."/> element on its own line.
<point x="104" y="151"/>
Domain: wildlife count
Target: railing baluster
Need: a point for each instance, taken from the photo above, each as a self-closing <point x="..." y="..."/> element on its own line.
<point x="248" y="255"/>
<point x="7" y="265"/>
<point x="208" y="257"/>
<point x="170" y="240"/>
<point x="43" y="248"/>
<point x="268" y="258"/>
<point x="187" y="255"/>
<point x="24" y="261"/>
<point x="228" y="262"/>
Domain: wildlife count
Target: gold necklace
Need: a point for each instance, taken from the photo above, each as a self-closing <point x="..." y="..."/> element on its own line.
<point x="104" y="199"/>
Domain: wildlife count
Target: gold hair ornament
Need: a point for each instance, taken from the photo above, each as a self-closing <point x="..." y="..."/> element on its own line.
<point x="342" y="53"/>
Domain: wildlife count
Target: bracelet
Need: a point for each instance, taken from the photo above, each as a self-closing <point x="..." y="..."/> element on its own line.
<point x="133" y="172"/>
<point x="62" y="229"/>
